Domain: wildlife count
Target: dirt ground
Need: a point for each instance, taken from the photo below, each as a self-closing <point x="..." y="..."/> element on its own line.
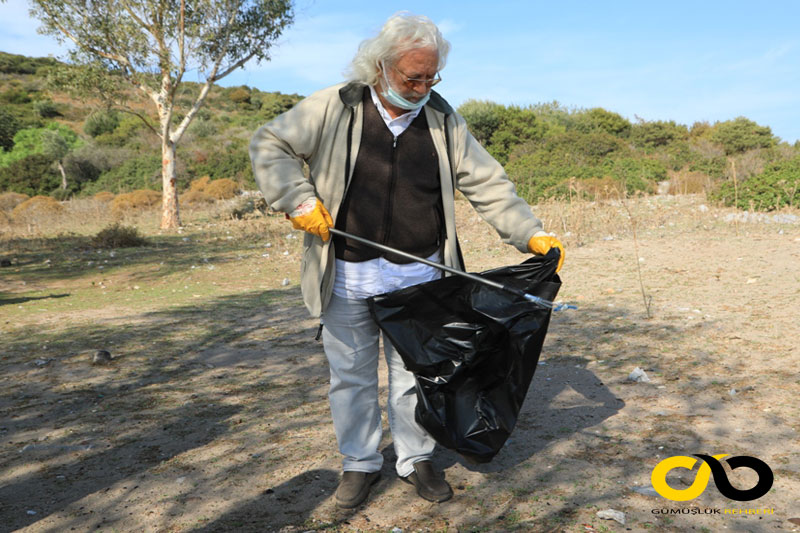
<point x="213" y="413"/>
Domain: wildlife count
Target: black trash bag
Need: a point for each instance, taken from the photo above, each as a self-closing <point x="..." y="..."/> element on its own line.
<point x="473" y="350"/>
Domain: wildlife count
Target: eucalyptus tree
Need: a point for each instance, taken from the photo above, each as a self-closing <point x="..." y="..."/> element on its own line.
<point x="148" y="47"/>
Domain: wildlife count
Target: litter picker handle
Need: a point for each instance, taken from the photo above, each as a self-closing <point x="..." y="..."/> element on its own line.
<point x="473" y="277"/>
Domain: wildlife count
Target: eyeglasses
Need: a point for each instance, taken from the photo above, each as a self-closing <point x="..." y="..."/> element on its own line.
<point x="413" y="81"/>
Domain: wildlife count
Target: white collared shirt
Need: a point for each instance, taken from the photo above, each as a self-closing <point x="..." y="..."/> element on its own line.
<point x="396" y="125"/>
<point x="377" y="276"/>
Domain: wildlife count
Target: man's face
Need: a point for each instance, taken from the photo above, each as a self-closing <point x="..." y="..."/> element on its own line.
<point x="416" y="64"/>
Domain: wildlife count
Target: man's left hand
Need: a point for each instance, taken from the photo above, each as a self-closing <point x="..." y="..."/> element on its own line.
<point x="541" y="243"/>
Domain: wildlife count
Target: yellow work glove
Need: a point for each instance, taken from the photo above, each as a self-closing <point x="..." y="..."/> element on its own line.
<point x="311" y="216"/>
<point x="542" y="244"/>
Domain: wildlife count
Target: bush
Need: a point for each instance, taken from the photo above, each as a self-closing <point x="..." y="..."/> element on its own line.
<point x="598" y="119"/>
<point x="142" y="172"/>
<point x="9" y="126"/>
<point x="776" y="187"/>
<point x="101" y="122"/>
<point x="740" y="135"/>
<point x="46" y="109"/>
<point x="195" y="196"/>
<point x="222" y="189"/>
<point x="240" y="95"/>
<point x="35" y="207"/>
<point x="86" y="164"/>
<point x="104" y="196"/>
<point x="233" y="163"/>
<point x="657" y="133"/>
<point x="118" y="236"/>
<point x="31" y="175"/>
<point x="10" y="200"/>
<point x="199" y="184"/>
<point x="483" y="118"/>
<point x="134" y="201"/>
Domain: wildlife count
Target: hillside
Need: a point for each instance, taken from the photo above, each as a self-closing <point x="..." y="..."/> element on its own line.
<point x="548" y="150"/>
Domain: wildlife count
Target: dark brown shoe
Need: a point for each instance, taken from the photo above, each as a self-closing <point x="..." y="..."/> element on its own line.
<point x="354" y="488"/>
<point x="430" y="483"/>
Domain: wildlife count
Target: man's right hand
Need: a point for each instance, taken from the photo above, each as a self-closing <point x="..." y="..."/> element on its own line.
<point x="311" y="216"/>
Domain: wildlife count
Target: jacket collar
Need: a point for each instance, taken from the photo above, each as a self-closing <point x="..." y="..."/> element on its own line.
<point x="352" y="93"/>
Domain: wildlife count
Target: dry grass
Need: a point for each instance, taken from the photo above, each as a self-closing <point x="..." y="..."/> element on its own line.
<point x="10" y="200"/>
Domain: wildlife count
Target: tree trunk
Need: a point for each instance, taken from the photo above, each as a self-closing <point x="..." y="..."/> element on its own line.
<point x="63" y="176"/>
<point x="170" y="218"/>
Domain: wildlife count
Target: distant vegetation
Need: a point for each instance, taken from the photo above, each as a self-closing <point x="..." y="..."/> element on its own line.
<point x="51" y="144"/>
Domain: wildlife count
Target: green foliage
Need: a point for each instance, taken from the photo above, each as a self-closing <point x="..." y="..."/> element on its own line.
<point x="17" y="64"/>
<point x="86" y="164"/>
<point x="32" y="175"/>
<point x="778" y="186"/>
<point x="483" y="118"/>
<point x="9" y="126"/>
<point x="599" y="119"/>
<point x="100" y="122"/>
<point x="657" y="133"/>
<point x="517" y="125"/>
<point x="233" y="163"/>
<point x="41" y="141"/>
<point x="141" y="172"/>
<point x="130" y="132"/>
<point x="15" y="96"/>
<point x="740" y="135"/>
<point x="46" y="109"/>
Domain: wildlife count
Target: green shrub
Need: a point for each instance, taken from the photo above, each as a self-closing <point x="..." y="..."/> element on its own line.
<point x="483" y="118"/>
<point x="778" y="186"/>
<point x="142" y="172"/>
<point x="46" y="109"/>
<point x="598" y="119"/>
<point x="657" y="133"/>
<point x="101" y="122"/>
<point x="118" y="236"/>
<point x="9" y="126"/>
<point x="30" y="175"/>
<point x="740" y="135"/>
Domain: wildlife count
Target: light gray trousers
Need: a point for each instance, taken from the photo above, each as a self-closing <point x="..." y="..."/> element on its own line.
<point x="350" y="338"/>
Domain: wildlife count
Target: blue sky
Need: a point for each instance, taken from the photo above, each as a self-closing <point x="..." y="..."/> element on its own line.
<point x="679" y="60"/>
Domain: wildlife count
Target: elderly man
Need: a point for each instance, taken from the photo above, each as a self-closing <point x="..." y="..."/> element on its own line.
<point x="385" y="155"/>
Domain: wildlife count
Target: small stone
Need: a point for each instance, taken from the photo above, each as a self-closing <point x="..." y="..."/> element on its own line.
<point x="703" y="208"/>
<point x="645" y="491"/>
<point x="286" y="253"/>
<point x="612" y="514"/>
<point x="285" y="282"/>
<point x="397" y="530"/>
<point x="101" y="357"/>
<point x="638" y="376"/>
<point x="31" y="513"/>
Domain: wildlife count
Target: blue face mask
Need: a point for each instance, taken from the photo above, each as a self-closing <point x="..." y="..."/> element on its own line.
<point x="394" y="98"/>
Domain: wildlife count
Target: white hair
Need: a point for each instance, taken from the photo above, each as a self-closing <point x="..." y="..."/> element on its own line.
<point x="402" y="32"/>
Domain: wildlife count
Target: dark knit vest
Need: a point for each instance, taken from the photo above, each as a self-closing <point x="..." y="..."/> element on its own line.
<point x="395" y="196"/>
